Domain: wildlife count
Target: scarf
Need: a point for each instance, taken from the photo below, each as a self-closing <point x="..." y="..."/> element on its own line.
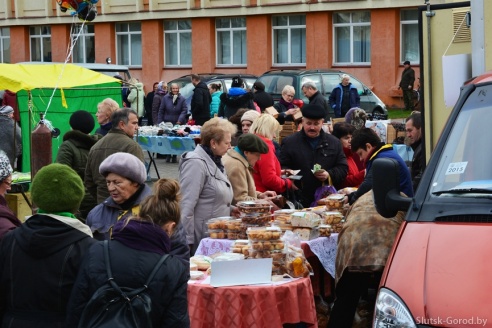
<point x="216" y="159"/>
<point x="287" y="104"/>
<point x="142" y="235"/>
<point x="130" y="202"/>
<point x="65" y="214"/>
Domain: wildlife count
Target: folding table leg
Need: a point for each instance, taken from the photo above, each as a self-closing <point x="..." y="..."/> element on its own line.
<point x="152" y="161"/>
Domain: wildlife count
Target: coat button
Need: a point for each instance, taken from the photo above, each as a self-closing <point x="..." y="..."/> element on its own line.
<point x="228" y="204"/>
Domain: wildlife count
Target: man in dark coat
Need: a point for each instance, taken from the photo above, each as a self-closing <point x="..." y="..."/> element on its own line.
<point x="413" y="128"/>
<point x="344" y="97"/>
<point x="200" y="102"/>
<point x="262" y="98"/>
<point x="235" y="98"/>
<point x="315" y="97"/>
<point x="310" y="146"/>
<point x="39" y="260"/>
<point x="406" y="85"/>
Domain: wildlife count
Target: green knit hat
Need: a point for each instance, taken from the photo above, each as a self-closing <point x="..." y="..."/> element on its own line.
<point x="57" y="188"/>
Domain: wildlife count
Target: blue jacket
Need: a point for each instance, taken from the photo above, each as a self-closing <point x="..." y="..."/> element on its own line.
<point x="170" y="111"/>
<point x="385" y="151"/>
<point x="214" y="105"/>
<point x="102" y="218"/>
<point x="336" y="99"/>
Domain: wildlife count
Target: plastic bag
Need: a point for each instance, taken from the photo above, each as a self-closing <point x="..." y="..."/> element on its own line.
<point x="296" y="263"/>
<point x="322" y="192"/>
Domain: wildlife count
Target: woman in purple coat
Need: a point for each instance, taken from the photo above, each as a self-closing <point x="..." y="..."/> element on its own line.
<point x="173" y="109"/>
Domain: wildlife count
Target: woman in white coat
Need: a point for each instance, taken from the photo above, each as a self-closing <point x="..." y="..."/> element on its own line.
<point x="207" y="192"/>
<point x="136" y="96"/>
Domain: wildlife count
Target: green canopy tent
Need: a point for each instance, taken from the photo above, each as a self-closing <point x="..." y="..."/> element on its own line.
<point x="57" y="90"/>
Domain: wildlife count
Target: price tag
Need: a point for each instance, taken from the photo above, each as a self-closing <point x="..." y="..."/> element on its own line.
<point x="456" y="168"/>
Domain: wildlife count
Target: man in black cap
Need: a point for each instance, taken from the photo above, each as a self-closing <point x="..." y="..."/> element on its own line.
<point x="262" y="99"/>
<point x="310" y="146"/>
<point x="406" y="85"/>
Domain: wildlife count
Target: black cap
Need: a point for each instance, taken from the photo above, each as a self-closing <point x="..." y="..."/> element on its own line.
<point x="259" y="86"/>
<point x="251" y="142"/>
<point x="406" y="62"/>
<point x="83" y="121"/>
<point x="314" y="112"/>
<point x="237" y="82"/>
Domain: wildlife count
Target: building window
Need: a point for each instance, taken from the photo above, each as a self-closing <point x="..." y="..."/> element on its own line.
<point x="40" y="43"/>
<point x="409" y="36"/>
<point x="4" y="45"/>
<point x="84" y="50"/>
<point x="129" y="44"/>
<point x="352" y="37"/>
<point x="177" y="43"/>
<point x="289" y="40"/>
<point x="231" y="41"/>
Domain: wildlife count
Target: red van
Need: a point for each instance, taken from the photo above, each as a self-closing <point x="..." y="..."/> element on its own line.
<point x="439" y="273"/>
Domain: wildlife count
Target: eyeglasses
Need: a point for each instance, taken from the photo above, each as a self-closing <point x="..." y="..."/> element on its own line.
<point x="291" y="96"/>
<point x="8" y="183"/>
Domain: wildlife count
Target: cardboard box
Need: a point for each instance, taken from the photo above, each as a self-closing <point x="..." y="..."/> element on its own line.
<point x="272" y="111"/>
<point x="18" y="205"/>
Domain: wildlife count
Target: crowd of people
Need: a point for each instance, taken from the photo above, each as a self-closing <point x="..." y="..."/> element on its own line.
<point x="97" y="191"/>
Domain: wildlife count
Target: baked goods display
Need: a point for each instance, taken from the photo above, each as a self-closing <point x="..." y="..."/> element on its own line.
<point x="216" y="233"/>
<point x="296" y="264"/>
<point x="264" y="233"/>
<point x="259" y="219"/>
<point x="219" y="223"/>
<point x="254" y="206"/>
<point x="196" y="275"/>
<point x="202" y="262"/>
<point x="306" y="234"/>
<point x="283" y="216"/>
<point x="325" y="230"/>
<point x="337" y="227"/>
<point x="332" y="202"/>
<point x="306" y="219"/>
<point x="331" y="217"/>
<point x="241" y="246"/>
<point x="193" y="267"/>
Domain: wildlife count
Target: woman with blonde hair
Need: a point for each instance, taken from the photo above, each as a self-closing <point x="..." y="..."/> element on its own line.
<point x="207" y="192"/>
<point x="105" y="109"/>
<point x="267" y="169"/>
<point x="139" y="242"/>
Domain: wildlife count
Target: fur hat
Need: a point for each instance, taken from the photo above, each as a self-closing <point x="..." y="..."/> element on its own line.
<point x="57" y="188"/>
<point x="314" y="112"/>
<point x="5" y="110"/>
<point x="250" y="115"/>
<point x="83" y="121"/>
<point x="251" y="142"/>
<point x="126" y="165"/>
<point x="5" y="168"/>
<point x="357" y="117"/>
<point x="237" y="82"/>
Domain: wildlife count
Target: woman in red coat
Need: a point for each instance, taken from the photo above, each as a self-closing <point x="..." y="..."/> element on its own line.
<point x="344" y="131"/>
<point x="267" y="170"/>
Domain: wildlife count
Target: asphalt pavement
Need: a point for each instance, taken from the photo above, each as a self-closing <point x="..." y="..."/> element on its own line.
<point x="166" y="170"/>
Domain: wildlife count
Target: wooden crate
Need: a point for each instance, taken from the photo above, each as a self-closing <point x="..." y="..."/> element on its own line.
<point x="18" y="205"/>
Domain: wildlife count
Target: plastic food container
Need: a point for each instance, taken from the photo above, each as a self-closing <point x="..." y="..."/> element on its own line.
<point x="331" y="217"/>
<point x="257" y="219"/>
<point x="264" y="233"/>
<point x="305" y="219"/>
<point x="325" y="230"/>
<point x="283" y="215"/>
<point x="254" y="206"/>
<point x="217" y="234"/>
<point x="219" y="223"/>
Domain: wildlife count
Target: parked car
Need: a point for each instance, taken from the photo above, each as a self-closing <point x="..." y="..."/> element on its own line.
<point x="186" y="87"/>
<point x="438" y="272"/>
<point x="325" y="80"/>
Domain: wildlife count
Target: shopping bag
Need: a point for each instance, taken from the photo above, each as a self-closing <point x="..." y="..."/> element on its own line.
<point x="323" y="191"/>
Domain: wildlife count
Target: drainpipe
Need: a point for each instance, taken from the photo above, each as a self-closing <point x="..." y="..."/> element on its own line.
<point x="429" y="14"/>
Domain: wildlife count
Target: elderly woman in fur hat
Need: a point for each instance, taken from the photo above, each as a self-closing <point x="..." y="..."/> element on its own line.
<point x="40" y="259"/>
<point x="125" y="176"/>
<point x="8" y="220"/>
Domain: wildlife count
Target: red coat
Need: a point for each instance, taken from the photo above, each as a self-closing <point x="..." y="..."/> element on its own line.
<point x="267" y="172"/>
<point x="354" y="176"/>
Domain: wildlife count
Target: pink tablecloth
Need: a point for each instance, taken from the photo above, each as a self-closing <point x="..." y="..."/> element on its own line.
<point x="268" y="306"/>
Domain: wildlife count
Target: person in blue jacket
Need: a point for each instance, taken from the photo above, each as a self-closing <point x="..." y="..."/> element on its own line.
<point x="367" y="144"/>
<point x="343" y="97"/>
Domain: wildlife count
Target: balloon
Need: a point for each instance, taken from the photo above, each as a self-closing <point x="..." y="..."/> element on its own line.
<point x="84" y="9"/>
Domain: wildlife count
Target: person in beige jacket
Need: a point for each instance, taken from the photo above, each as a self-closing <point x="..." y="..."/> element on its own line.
<point x="239" y="162"/>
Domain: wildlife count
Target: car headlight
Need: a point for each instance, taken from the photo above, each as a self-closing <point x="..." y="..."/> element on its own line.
<point x="391" y="312"/>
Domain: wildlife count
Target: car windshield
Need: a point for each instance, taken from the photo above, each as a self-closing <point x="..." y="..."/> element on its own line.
<point x="464" y="169"/>
<point x="275" y="83"/>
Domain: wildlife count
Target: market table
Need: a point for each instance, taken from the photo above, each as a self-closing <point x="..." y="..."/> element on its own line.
<point x="320" y="252"/>
<point x="253" y="306"/>
<point x="164" y="145"/>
